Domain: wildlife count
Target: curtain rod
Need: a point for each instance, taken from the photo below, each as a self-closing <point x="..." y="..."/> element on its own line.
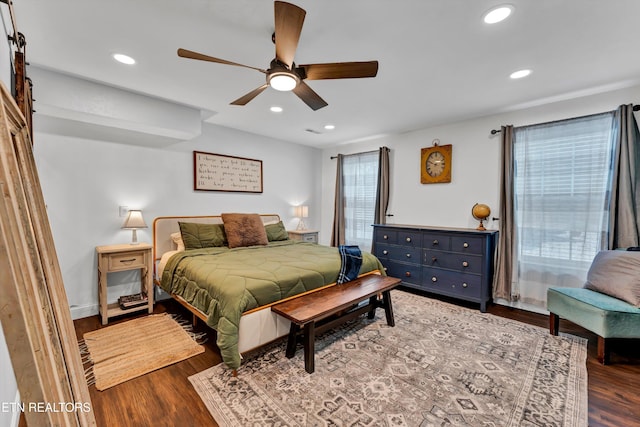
<point x="355" y="154"/>
<point x="494" y="131"/>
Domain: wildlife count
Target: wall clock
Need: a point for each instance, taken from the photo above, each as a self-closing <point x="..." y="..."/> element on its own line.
<point x="435" y="164"/>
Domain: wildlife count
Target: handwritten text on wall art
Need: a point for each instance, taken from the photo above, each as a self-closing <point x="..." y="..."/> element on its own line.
<point x="216" y="172"/>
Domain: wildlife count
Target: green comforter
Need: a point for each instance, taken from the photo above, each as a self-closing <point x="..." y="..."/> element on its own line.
<point x="224" y="283"/>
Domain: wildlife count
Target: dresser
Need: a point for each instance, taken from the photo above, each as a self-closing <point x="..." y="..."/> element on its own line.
<point x="454" y="262"/>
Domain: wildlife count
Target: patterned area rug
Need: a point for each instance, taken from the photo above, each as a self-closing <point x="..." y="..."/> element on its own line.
<point x="441" y="365"/>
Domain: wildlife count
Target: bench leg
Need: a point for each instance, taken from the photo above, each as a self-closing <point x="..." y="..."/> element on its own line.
<point x="554" y="324"/>
<point x="388" y="308"/>
<point x="309" y="346"/>
<point x="603" y="351"/>
<point x="293" y="340"/>
<point x="373" y="304"/>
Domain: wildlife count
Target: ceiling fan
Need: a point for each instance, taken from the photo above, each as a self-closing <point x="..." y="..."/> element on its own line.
<point x="283" y="74"/>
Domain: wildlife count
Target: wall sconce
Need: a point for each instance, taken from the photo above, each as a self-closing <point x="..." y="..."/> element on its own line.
<point x="301" y="212"/>
<point x="133" y="222"/>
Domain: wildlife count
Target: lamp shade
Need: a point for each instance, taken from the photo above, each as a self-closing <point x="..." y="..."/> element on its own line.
<point x="302" y="211"/>
<point x="134" y="220"/>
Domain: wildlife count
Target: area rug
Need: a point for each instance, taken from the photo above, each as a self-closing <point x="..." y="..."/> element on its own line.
<point x="127" y="350"/>
<point x="441" y="365"/>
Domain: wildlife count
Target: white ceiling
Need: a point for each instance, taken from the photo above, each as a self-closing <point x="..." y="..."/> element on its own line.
<point x="439" y="62"/>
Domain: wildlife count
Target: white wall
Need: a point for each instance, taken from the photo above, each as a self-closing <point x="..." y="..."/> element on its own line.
<point x="84" y="182"/>
<point x="476" y="163"/>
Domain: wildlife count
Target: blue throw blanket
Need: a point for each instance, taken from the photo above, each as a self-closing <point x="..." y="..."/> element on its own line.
<point x="351" y="259"/>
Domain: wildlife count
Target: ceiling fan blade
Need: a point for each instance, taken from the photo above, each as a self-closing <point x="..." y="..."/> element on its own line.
<point x="184" y="53"/>
<point x="339" y="70"/>
<point x="309" y="97"/>
<point x="243" y="100"/>
<point x="288" y="26"/>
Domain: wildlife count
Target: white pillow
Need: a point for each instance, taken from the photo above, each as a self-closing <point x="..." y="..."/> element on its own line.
<point x="177" y="239"/>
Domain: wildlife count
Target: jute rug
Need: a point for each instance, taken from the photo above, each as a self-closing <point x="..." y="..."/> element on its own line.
<point x="133" y="348"/>
<point x="441" y="365"/>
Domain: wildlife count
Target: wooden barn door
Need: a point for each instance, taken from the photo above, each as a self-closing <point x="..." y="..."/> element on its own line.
<point x="33" y="304"/>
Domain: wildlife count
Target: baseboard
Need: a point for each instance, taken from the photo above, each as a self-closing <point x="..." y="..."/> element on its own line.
<point x="79" y="312"/>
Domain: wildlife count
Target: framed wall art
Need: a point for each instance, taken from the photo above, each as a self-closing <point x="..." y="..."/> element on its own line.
<point x="217" y="172"/>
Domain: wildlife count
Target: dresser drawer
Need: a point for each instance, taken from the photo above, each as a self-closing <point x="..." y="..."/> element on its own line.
<point x="409" y="238"/>
<point x="126" y="261"/>
<point x="467" y="263"/>
<point x="385" y="235"/>
<point x="410" y="273"/>
<point x="436" y="241"/>
<point x="400" y="253"/>
<point x="452" y="283"/>
<point x="467" y="244"/>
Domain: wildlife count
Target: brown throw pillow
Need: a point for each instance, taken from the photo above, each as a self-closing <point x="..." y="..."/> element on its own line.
<point x="617" y="274"/>
<point x="244" y="230"/>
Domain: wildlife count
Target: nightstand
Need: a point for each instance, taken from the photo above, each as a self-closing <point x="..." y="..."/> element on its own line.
<point x="310" y="236"/>
<point x="114" y="258"/>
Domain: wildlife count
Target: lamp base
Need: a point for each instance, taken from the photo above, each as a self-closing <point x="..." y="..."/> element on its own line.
<point x="134" y="237"/>
<point x="301" y="225"/>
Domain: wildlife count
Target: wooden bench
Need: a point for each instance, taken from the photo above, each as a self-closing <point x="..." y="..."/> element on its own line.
<point x="334" y="305"/>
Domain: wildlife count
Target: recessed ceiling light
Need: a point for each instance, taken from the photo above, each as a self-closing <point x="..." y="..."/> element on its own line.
<point x="276" y="109"/>
<point x="520" y="74"/>
<point x="498" y="14"/>
<point x="329" y="127"/>
<point x="125" y="59"/>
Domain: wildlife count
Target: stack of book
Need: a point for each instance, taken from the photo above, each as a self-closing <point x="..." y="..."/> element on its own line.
<point x="131" y="301"/>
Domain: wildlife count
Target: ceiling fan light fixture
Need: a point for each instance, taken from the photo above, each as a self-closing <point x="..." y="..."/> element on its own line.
<point x="124" y="59"/>
<point x="498" y="14"/>
<point x="283" y="81"/>
<point x="520" y="74"/>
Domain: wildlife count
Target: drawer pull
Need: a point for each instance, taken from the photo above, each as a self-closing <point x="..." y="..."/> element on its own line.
<point x="434" y="279"/>
<point x="465" y="264"/>
<point x="434" y="259"/>
<point x="464" y="285"/>
<point x="128" y="260"/>
<point x="435" y="242"/>
<point x="408" y="239"/>
<point x="385" y="237"/>
<point x="408" y="255"/>
<point x="465" y="245"/>
<point x="385" y="252"/>
<point x="407" y="274"/>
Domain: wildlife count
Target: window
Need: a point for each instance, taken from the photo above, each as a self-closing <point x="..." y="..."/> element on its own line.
<point x="360" y="180"/>
<point x="561" y="179"/>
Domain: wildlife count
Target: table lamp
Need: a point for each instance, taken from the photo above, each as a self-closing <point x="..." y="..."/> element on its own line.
<point x="133" y="222"/>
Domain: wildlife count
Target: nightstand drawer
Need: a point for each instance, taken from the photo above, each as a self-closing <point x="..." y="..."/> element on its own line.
<point x="312" y="238"/>
<point x="126" y="261"/>
<point x="308" y="236"/>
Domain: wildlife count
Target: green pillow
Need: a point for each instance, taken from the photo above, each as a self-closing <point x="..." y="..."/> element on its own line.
<point x="198" y="236"/>
<point x="276" y="232"/>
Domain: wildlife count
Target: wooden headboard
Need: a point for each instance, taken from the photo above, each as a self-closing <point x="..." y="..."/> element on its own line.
<point x="163" y="226"/>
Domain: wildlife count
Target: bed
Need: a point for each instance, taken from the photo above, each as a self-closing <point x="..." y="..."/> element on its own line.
<point x="232" y="286"/>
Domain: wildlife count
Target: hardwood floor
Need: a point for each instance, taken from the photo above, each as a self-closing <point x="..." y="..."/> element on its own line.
<point x="166" y="397"/>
